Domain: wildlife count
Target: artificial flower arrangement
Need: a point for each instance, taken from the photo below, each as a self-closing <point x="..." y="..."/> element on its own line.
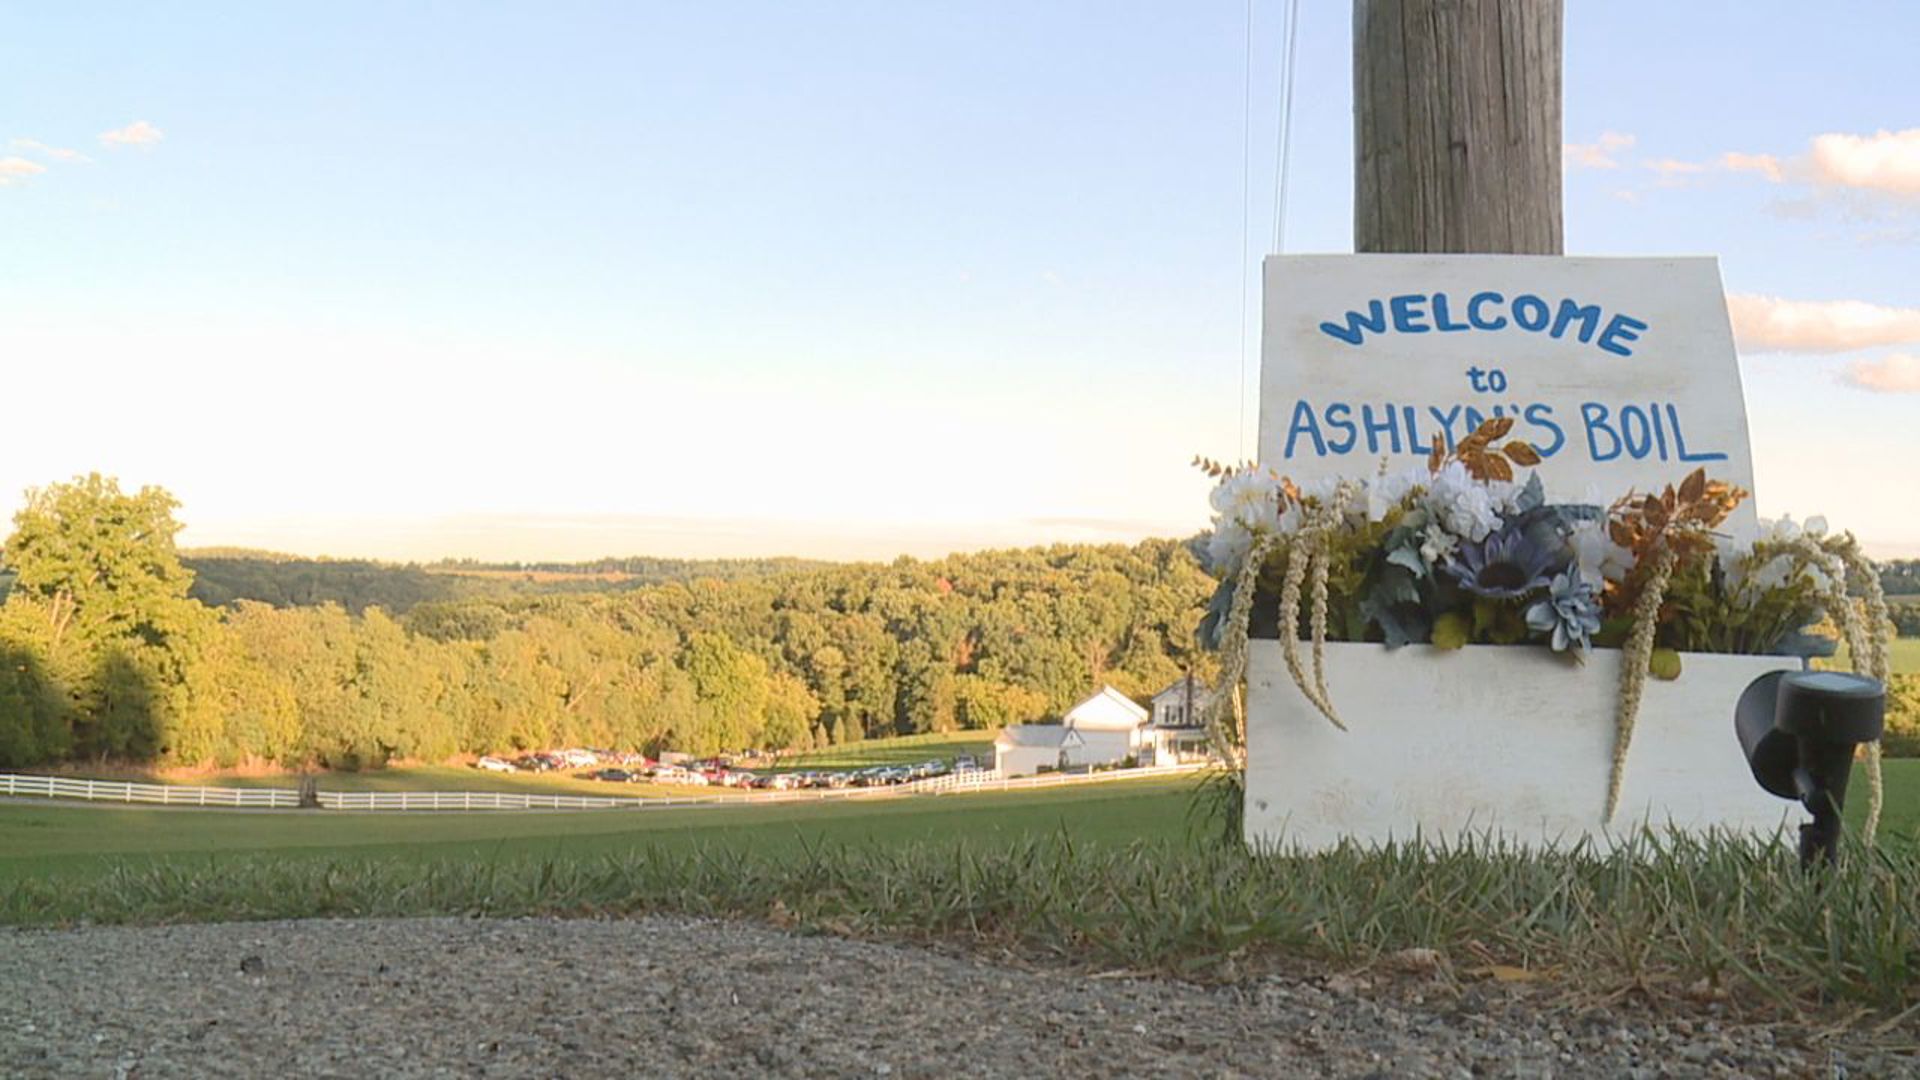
<point x="1461" y="552"/>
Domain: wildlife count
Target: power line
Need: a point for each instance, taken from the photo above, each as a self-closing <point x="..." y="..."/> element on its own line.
<point x="1283" y="136"/>
<point x="1246" y="216"/>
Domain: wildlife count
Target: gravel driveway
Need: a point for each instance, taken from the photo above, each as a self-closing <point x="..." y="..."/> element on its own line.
<point x="680" y="997"/>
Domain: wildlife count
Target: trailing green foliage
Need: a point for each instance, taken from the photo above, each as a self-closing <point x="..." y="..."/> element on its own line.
<point x="106" y="655"/>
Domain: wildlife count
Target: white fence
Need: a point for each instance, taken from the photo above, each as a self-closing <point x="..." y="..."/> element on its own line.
<point x="59" y="787"/>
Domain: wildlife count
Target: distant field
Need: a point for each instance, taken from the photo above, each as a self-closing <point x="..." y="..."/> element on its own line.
<point x="538" y="577"/>
<point x="1903" y="656"/>
<point x="38" y="840"/>
<point x="904" y="750"/>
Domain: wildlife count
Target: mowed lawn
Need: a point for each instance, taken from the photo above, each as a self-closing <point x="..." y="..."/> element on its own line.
<point x="42" y="840"/>
<point x="37" y="840"/>
<point x="1903" y="657"/>
<point x="904" y="750"/>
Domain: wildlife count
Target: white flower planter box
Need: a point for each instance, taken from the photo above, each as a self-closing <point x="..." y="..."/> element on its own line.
<point x="1512" y="741"/>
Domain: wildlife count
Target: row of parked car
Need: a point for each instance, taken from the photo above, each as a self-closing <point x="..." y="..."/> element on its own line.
<point x="636" y="768"/>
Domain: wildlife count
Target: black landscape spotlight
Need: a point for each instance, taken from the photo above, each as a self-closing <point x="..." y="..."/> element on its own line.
<point x="1798" y="730"/>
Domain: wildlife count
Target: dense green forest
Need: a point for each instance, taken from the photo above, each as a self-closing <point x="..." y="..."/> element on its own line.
<point x="222" y="576"/>
<point x="110" y="654"/>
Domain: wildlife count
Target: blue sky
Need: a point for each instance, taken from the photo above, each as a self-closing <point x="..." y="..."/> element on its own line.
<point x="560" y="280"/>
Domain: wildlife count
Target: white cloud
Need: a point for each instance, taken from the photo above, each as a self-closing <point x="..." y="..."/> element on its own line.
<point x="1765" y="164"/>
<point x="1599" y="154"/>
<point x="1673" y="172"/>
<point x="54" y="153"/>
<point x="1895" y="373"/>
<point x="14" y="169"/>
<point x="1770" y="324"/>
<point x="1886" y="161"/>
<point x="138" y="133"/>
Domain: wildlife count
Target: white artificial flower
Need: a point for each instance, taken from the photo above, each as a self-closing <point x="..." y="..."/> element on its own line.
<point x="1436" y="544"/>
<point x="1816" y="526"/>
<point x="1462" y="503"/>
<point x="1777" y="572"/>
<point x="1785" y="530"/>
<point x="1735" y="557"/>
<point x="1387" y="492"/>
<point x="1228" y="546"/>
<point x="1506" y="495"/>
<point x="1250" y="495"/>
<point x="1599" y="558"/>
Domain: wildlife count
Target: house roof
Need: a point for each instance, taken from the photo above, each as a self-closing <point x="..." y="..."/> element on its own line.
<point x="1178" y="691"/>
<point x="1041" y="736"/>
<point x="1106" y="709"/>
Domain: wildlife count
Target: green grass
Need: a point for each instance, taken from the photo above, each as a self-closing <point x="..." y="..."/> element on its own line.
<point x="1903" y="657"/>
<point x="65" y="840"/>
<point x="904" y="750"/>
<point x="1122" y="874"/>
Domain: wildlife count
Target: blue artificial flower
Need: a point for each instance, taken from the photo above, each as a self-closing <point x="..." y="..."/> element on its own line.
<point x="1570" y="612"/>
<point x="1507" y="565"/>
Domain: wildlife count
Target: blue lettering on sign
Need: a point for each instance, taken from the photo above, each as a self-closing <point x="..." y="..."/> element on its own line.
<point x="1388" y="425"/>
<point x="1680" y="441"/>
<point x="1338" y="417"/>
<point x="1589" y="317"/>
<point x="1633" y="431"/>
<point x="1473" y="311"/>
<point x="1620" y="328"/>
<point x="1375" y="320"/>
<point x="1541" y="416"/>
<point x="1530" y="312"/>
<point x="1303" y="421"/>
<point x="1594" y="415"/>
<point x="1489" y="311"/>
<point x="1407" y="314"/>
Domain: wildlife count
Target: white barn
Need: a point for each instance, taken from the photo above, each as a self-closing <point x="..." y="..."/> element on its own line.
<point x="1105" y="728"/>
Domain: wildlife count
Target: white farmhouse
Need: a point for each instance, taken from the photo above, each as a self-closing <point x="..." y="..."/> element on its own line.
<point x="1105" y="728"/>
<point x="1179" y="722"/>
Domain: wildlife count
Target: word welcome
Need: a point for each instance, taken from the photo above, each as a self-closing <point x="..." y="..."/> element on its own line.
<point x="1632" y="431"/>
<point x="1421" y="313"/>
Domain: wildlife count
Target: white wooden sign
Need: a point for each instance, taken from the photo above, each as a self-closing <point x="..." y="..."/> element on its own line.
<point x="1621" y="372"/>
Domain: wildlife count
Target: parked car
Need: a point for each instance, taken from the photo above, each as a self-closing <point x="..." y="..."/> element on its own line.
<point x="965" y="762"/>
<point x="494" y="764"/>
<point x="618" y="776"/>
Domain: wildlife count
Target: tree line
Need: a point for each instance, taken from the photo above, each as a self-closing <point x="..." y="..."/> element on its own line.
<point x="106" y="652"/>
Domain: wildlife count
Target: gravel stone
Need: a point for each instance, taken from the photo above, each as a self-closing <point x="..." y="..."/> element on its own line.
<point x="664" y="996"/>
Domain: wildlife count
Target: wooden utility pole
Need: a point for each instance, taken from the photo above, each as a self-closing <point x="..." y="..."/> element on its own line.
<point x="1456" y="122"/>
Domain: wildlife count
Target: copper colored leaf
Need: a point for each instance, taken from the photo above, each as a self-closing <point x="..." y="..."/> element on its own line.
<point x="1437" y="455"/>
<point x="1522" y="453"/>
<point x="1694" y="487"/>
<point x="1494" y="429"/>
<point x="1621" y="533"/>
<point x="1498" y="469"/>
